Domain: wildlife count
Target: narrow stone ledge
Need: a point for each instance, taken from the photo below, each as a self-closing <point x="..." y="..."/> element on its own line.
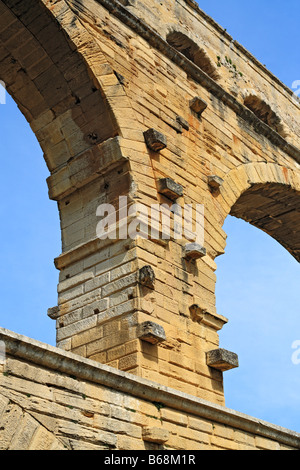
<point x="157" y="435"/>
<point x="155" y="40"/>
<point x="94" y="162"/>
<point x="84" y="250"/>
<point x="151" y="332"/>
<point x="170" y="189"/>
<point x="155" y="140"/>
<point x="183" y="123"/>
<point x="198" y="105"/>
<point x="194" y="251"/>
<point x="215" y="182"/>
<point x="222" y="360"/>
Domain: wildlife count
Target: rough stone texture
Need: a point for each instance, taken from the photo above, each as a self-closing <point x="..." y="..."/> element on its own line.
<point x="169" y="188"/>
<point x="198" y="105"/>
<point x="147" y="277"/>
<point x="151" y="333"/>
<point x="54" y="400"/>
<point x="221" y="359"/>
<point x="194" y="251"/>
<point x="155" y="140"/>
<point x="215" y="182"/>
<point x="157" y="435"/>
<point x="92" y="77"/>
<point x="183" y="123"/>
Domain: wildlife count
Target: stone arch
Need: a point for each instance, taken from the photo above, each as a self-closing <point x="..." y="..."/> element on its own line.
<point x="47" y="74"/>
<point x="192" y="51"/>
<point x="267" y="196"/>
<point x="71" y="97"/>
<point x="60" y="80"/>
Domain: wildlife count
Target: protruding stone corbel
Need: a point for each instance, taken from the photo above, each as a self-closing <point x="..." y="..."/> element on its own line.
<point x="170" y="189"/>
<point x="155" y="140"/>
<point x="194" y="251"/>
<point x="147" y="277"/>
<point x="214" y="182"/>
<point x="53" y="313"/>
<point x="198" y="105"/>
<point x="197" y="313"/>
<point x="222" y="360"/>
<point x="202" y="315"/>
<point x="151" y="332"/>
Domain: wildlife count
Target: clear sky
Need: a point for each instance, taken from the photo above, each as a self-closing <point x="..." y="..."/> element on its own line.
<point x="258" y="281"/>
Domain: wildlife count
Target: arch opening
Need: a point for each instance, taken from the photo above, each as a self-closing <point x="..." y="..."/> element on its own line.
<point x="51" y="82"/>
<point x="30" y="235"/>
<point x="50" y="78"/>
<point x="265" y="113"/>
<point x="193" y="52"/>
<point x="275" y="209"/>
<point x="257" y="290"/>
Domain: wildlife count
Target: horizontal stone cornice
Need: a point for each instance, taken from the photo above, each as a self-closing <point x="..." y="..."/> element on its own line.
<point x="53" y="358"/>
<point x="86" y="167"/>
<point x="156" y="41"/>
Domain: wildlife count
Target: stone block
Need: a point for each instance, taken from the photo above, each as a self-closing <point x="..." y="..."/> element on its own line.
<point x="147" y="277"/>
<point x="197" y="312"/>
<point x="222" y="360"/>
<point x="151" y="332"/>
<point x="194" y="251"/>
<point x="198" y="105"/>
<point x="170" y="189"/>
<point x="157" y="435"/>
<point x="53" y="312"/>
<point x="200" y="314"/>
<point x="155" y="140"/>
<point x="128" y="3"/>
<point x="215" y="182"/>
<point x="183" y="123"/>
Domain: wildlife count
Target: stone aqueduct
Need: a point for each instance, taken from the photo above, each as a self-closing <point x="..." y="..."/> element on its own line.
<point x="153" y="101"/>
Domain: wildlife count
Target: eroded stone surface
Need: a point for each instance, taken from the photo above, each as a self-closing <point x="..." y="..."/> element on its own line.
<point x="91" y="79"/>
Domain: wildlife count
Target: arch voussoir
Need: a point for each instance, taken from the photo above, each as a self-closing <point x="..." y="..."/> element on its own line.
<point x="267" y="195"/>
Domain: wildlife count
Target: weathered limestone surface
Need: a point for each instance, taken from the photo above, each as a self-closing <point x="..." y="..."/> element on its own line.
<point x="55" y="400"/>
<point x="154" y="102"/>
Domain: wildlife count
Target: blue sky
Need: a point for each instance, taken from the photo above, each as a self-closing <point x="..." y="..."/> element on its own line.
<point x="30" y="235"/>
<point x="258" y="281"/>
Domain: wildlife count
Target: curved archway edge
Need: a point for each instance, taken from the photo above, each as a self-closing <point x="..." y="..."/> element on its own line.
<point x="254" y="180"/>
